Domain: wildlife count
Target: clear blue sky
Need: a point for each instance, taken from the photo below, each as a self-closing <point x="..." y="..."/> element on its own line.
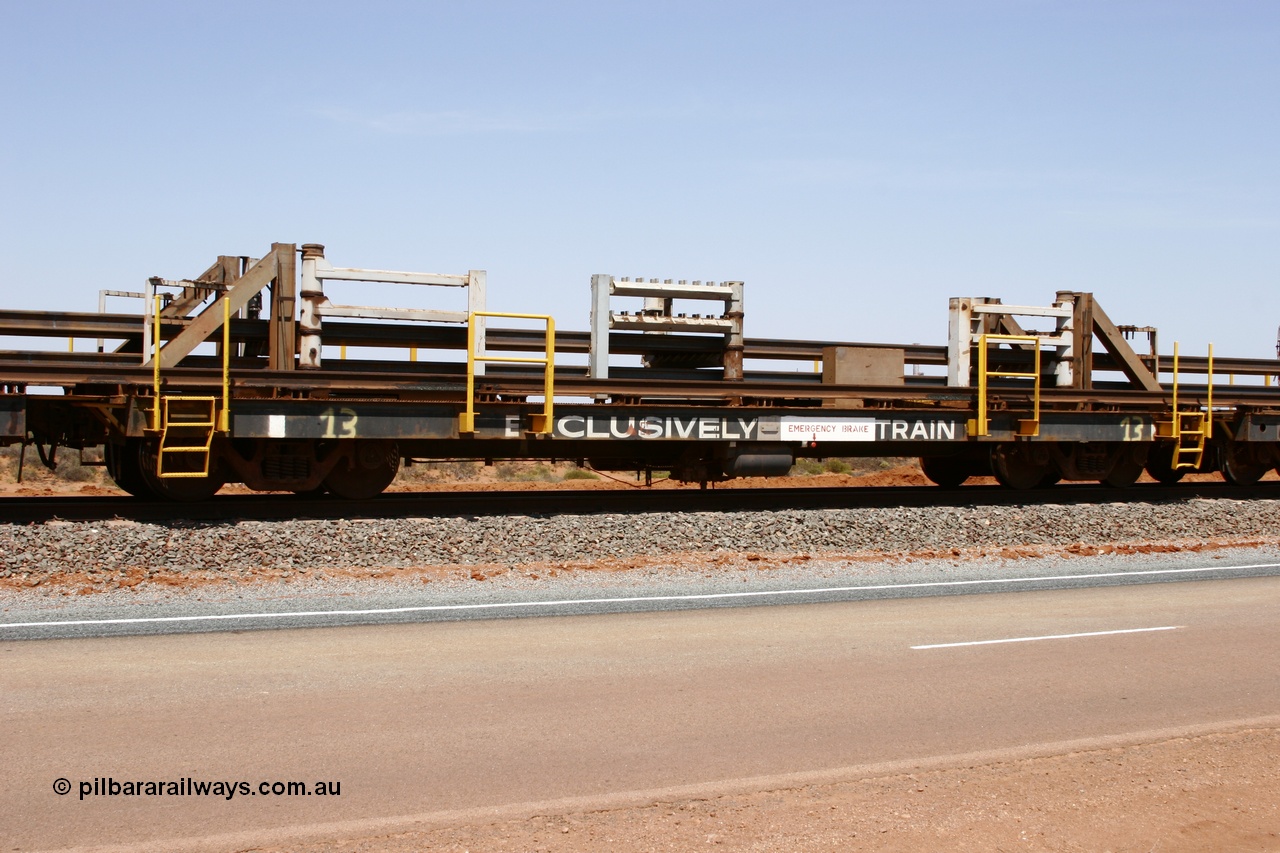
<point x="855" y="164"/>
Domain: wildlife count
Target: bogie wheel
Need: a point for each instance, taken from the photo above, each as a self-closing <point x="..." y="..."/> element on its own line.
<point x="946" y="471"/>
<point x="184" y="489"/>
<point x="1238" y="466"/>
<point x="1124" y="473"/>
<point x="124" y="464"/>
<point x="371" y="467"/>
<point x="1020" y="465"/>
<point x="1160" y="465"/>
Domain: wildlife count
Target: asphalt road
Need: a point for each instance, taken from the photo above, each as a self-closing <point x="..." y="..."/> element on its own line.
<point x="420" y="722"/>
<point x="321" y="603"/>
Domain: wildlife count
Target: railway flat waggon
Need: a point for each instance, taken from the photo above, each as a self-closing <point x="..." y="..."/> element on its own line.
<point x="251" y="373"/>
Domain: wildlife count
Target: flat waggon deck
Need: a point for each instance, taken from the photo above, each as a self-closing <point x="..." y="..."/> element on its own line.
<point x="243" y="374"/>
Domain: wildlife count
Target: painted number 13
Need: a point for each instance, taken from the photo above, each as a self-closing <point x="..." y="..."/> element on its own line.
<point x="1134" y="427"/>
<point x="338" y="423"/>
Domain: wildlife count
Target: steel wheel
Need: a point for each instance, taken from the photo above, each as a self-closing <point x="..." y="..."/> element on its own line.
<point x="1124" y="473"/>
<point x="1160" y="465"/>
<point x="946" y="471"/>
<point x="1020" y="465"/>
<point x="369" y="469"/>
<point x="184" y="489"/>
<point x="125" y="467"/>
<point x="1239" y="468"/>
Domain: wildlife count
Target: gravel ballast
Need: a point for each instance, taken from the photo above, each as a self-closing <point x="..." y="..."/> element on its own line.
<point x="87" y="548"/>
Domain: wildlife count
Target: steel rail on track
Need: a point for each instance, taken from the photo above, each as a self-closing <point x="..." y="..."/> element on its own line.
<point x="926" y="392"/>
<point x="127" y="327"/>
<point x="546" y="503"/>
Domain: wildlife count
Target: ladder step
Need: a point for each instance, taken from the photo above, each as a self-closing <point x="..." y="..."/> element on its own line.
<point x="188" y="427"/>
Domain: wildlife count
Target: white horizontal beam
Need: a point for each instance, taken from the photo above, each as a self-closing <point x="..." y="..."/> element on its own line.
<point x="1054" y="341"/>
<point x="718" y="292"/>
<point x="1021" y="310"/>
<point x="391" y="276"/>
<point x="361" y="312"/>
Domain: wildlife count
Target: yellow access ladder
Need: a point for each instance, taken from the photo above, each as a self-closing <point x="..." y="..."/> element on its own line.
<point x="187" y="424"/>
<point x="1193" y="429"/>
<point x="1190" y="431"/>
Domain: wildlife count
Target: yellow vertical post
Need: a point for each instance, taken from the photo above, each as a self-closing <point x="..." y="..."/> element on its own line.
<point x="1208" y="427"/>
<point x="155" y="362"/>
<point x="413" y="353"/>
<point x="224" y="418"/>
<point x="549" y="375"/>
<point x="982" y="386"/>
<point x="1036" y="391"/>
<point x="71" y="344"/>
<point x="468" y="424"/>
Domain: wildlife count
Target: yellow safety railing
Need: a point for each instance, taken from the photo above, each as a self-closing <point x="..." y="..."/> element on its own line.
<point x="542" y="423"/>
<point x="217" y="418"/>
<point x="1026" y="428"/>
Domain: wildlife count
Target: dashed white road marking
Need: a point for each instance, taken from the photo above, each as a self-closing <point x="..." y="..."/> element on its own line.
<point x="1047" y="637"/>
<point x="639" y="599"/>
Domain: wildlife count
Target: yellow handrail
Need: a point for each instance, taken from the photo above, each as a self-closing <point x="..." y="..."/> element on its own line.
<point x="224" y="418"/>
<point x="224" y="415"/>
<point x="984" y="425"/>
<point x="1208" y="427"/>
<point x="155" y="367"/>
<point x="542" y="424"/>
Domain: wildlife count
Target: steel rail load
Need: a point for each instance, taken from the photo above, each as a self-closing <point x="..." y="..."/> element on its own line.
<point x="231" y="377"/>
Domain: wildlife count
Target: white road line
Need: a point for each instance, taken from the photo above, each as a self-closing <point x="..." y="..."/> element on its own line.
<point x="1047" y="637"/>
<point x="639" y="599"/>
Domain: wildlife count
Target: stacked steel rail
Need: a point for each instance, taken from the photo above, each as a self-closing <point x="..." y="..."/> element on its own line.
<point x="231" y="376"/>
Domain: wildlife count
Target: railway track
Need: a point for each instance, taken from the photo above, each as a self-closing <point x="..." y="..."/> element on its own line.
<point x="24" y="510"/>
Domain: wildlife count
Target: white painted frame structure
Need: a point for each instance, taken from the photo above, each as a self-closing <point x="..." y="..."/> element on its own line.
<point x="315" y="305"/>
<point x="657" y="315"/>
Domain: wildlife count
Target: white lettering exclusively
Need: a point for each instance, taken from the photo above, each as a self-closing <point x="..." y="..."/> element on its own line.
<point x="650" y="427"/>
<point x="572" y="426"/>
<point x="654" y="427"/>
<point x="592" y="432"/>
<point x="677" y="428"/>
<point x="275" y="426"/>
<point x="513" y="426"/>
